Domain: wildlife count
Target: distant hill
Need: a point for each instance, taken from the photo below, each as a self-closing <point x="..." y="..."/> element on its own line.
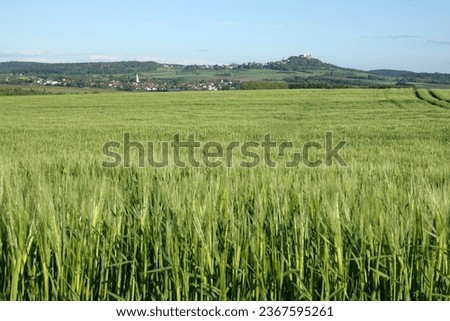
<point x="302" y="63"/>
<point x="299" y="63"/>
<point x="409" y="76"/>
<point x="303" y="71"/>
<point x="76" y="69"/>
<point x="391" y="72"/>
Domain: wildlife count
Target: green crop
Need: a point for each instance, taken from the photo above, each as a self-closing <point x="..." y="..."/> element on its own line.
<point x="378" y="229"/>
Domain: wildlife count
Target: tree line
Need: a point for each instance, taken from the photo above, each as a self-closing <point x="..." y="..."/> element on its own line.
<point x="93" y="68"/>
<point x="255" y="85"/>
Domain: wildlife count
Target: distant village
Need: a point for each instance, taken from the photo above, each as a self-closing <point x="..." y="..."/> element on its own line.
<point x="136" y="85"/>
<point x="176" y="85"/>
<point x="295" y="72"/>
<point x="182" y="77"/>
<point x="134" y="76"/>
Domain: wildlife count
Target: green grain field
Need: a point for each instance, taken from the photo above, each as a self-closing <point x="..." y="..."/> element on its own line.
<point x="376" y="229"/>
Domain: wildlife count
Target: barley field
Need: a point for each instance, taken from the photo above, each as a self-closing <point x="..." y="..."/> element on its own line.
<point x="376" y="229"/>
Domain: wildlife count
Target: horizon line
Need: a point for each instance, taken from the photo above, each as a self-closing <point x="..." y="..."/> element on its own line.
<point x="206" y="64"/>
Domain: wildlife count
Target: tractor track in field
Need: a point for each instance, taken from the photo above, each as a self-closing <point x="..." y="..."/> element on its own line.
<point x="438" y="101"/>
<point x="436" y="96"/>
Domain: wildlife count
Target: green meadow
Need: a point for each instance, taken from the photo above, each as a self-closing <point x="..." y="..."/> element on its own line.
<point x="376" y="229"/>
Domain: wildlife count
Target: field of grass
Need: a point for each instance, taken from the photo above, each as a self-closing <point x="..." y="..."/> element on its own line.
<point x="434" y="97"/>
<point x="441" y="95"/>
<point x="321" y="75"/>
<point x="377" y="229"/>
<point x="54" y="90"/>
<point x="246" y="75"/>
<point x="232" y="75"/>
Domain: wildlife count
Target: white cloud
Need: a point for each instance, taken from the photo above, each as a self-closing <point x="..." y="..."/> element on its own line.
<point x="437" y="42"/>
<point x="104" y="58"/>
<point x="404" y="37"/>
<point x="38" y="56"/>
<point x="394" y="37"/>
<point x="53" y="57"/>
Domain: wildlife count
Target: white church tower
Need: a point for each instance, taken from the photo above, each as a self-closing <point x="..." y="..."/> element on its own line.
<point x="137" y="78"/>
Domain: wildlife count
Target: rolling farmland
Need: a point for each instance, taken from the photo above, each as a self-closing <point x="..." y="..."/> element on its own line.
<point x="376" y="229"/>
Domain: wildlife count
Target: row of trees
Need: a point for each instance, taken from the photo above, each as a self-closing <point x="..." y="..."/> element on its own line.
<point x="80" y="69"/>
<point x="22" y="92"/>
<point x="255" y="85"/>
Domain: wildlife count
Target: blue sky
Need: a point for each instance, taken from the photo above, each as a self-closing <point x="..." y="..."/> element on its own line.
<point x="396" y="34"/>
